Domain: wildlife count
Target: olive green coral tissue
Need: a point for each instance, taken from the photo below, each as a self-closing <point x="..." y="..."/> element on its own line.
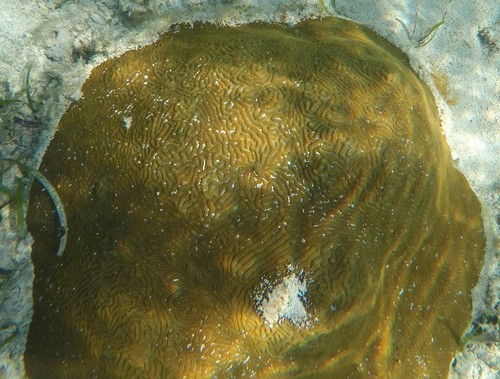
<point x="254" y="201"/>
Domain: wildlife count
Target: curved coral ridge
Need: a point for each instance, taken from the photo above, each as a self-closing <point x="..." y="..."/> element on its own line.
<point x="197" y="167"/>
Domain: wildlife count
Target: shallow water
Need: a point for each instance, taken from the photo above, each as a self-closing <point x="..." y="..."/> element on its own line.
<point x="202" y="171"/>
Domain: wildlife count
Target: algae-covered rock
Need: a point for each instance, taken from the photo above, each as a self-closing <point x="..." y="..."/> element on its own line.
<point x="254" y="201"/>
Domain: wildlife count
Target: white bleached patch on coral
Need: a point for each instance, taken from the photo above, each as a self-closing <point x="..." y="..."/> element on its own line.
<point x="284" y="299"/>
<point x="127" y="122"/>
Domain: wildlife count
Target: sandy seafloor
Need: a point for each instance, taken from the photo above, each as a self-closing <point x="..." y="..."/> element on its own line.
<point x="62" y="40"/>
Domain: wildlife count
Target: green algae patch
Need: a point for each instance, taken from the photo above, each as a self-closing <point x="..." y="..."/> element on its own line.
<point x="254" y="201"/>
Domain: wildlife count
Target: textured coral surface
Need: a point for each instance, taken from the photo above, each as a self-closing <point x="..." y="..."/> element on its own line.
<point x="201" y="168"/>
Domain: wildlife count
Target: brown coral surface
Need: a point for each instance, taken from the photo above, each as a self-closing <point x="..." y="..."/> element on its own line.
<point x="203" y="172"/>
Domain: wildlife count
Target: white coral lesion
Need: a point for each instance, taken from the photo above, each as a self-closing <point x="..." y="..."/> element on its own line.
<point x="284" y="299"/>
<point x="127" y="122"/>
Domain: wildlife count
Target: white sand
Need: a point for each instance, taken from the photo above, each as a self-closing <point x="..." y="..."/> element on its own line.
<point x="62" y="41"/>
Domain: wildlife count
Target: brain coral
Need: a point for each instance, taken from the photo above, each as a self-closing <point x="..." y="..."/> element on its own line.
<point x="256" y="201"/>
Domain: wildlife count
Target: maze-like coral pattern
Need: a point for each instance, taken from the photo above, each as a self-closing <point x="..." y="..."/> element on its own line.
<point x="203" y="171"/>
